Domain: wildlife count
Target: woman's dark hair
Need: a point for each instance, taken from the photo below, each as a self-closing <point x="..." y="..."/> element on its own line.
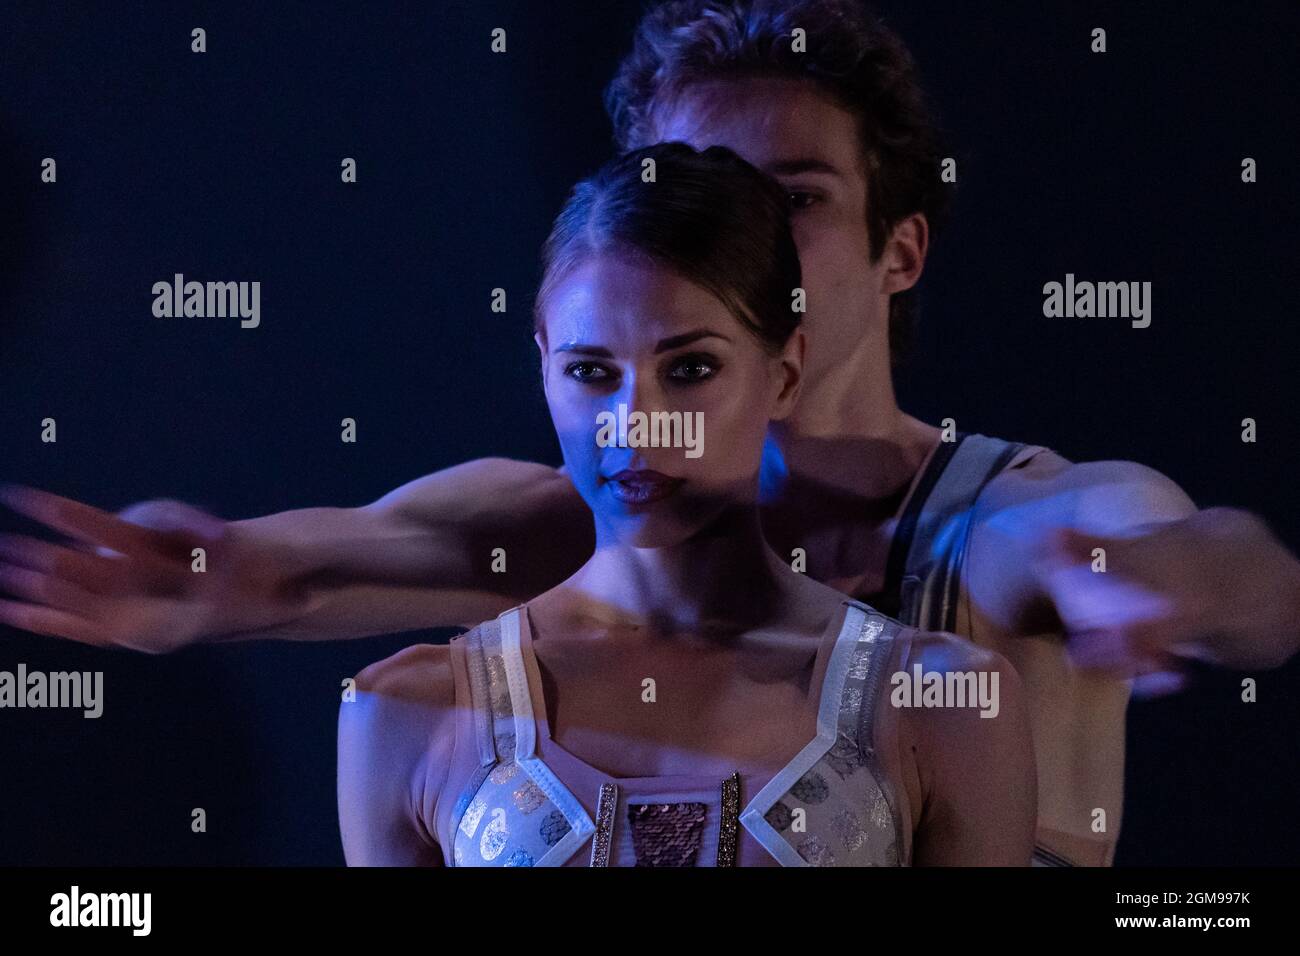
<point x="850" y="55"/>
<point x="707" y="215"/>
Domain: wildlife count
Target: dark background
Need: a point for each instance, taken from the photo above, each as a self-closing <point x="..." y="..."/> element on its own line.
<point x="375" y="305"/>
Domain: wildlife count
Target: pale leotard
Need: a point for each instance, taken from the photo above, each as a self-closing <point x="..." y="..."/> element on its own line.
<point x="514" y="797"/>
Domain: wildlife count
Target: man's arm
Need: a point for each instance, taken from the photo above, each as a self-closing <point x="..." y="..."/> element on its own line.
<point x="1135" y="575"/>
<point x="452" y="548"/>
<point x="425" y="555"/>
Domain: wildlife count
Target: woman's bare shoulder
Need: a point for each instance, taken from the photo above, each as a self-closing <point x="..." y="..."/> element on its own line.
<point x="816" y="605"/>
<point x="395" y="741"/>
<point x="403" y="712"/>
<point x="419" y="674"/>
<point x="940" y="651"/>
<point x="405" y="705"/>
<point x="964" y="724"/>
<point x="958" y="700"/>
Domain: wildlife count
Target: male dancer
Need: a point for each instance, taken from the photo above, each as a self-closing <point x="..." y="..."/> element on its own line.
<point x="988" y="539"/>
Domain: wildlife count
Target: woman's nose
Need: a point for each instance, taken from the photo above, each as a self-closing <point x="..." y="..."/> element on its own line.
<point x="640" y="393"/>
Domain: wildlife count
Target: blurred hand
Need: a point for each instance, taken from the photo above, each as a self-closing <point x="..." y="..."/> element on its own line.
<point x="129" y="580"/>
<point x="1216" y="586"/>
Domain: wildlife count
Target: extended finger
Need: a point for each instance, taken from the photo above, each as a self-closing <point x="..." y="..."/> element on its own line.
<point x="52" y="623"/>
<point x="1120" y="651"/>
<point x="1158" y="684"/>
<point x="92" y="572"/>
<point x="50" y="591"/>
<point x="86" y="523"/>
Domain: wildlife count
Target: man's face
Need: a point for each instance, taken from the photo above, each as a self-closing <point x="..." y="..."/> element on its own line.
<point x="811" y="146"/>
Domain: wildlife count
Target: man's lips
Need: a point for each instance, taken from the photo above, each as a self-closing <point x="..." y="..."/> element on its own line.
<point x="639" y="487"/>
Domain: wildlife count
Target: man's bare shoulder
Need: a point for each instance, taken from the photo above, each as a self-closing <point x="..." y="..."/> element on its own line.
<point x="1049" y="489"/>
<point x="1037" y="478"/>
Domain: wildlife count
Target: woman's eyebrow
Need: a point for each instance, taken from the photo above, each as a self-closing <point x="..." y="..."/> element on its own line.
<point x="665" y="345"/>
<point x="596" y="350"/>
<point x="686" y="338"/>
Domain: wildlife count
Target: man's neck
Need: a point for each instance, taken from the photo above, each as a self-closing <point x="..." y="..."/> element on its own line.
<point x="848" y="433"/>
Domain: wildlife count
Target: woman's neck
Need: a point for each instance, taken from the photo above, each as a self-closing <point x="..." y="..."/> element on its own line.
<point x="722" y="580"/>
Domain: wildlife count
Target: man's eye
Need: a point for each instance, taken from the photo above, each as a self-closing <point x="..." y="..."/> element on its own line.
<point x="693" y="370"/>
<point x="586" y="371"/>
<point x="802" y="200"/>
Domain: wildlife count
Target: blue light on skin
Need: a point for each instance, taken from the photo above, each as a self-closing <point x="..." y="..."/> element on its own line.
<point x="943" y="538"/>
<point x="773" y="473"/>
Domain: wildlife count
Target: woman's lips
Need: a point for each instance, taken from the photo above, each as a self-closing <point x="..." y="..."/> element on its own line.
<point x="640" y="487"/>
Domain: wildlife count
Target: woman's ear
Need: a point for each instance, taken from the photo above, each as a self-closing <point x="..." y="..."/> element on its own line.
<point x="790" y="365"/>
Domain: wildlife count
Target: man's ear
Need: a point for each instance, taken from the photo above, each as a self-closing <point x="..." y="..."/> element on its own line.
<point x="541" y="348"/>
<point x="905" y="253"/>
<point x="791" y="367"/>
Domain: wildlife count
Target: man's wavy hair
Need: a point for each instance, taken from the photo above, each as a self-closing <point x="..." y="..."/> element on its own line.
<point x="854" y="58"/>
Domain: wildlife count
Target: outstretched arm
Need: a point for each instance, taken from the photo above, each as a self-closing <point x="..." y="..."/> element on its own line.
<point x="423" y="556"/>
<point x="1136" y="575"/>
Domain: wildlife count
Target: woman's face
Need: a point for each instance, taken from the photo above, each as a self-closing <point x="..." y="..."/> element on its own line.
<point x="621" y="329"/>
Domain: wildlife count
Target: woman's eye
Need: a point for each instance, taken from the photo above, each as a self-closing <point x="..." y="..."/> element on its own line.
<point x="693" y="370"/>
<point x="586" y="371"/>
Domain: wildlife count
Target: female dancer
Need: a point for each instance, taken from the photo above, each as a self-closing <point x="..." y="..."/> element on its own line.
<point x="686" y="698"/>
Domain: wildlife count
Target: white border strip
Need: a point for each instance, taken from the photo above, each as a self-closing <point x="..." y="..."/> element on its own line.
<point x="832" y="693"/>
<point x="521" y="703"/>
